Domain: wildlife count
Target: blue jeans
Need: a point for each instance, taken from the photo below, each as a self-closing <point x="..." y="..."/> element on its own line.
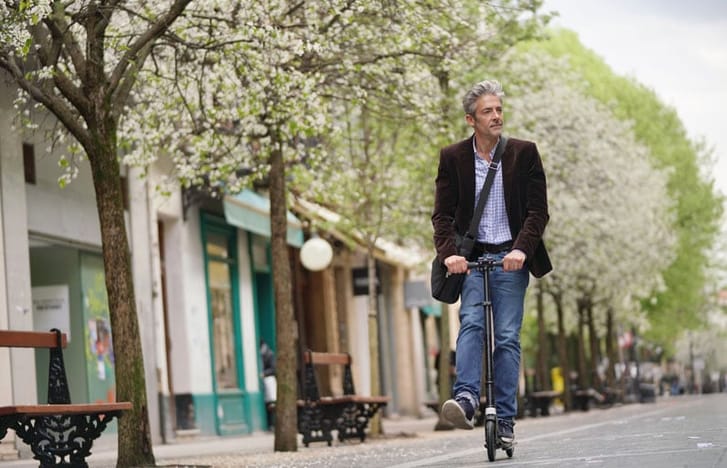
<point x="507" y="293"/>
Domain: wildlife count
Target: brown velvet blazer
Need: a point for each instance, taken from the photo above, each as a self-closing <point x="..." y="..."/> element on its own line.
<point x="526" y="199"/>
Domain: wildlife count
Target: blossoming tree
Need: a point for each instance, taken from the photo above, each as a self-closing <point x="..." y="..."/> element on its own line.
<point x="610" y="234"/>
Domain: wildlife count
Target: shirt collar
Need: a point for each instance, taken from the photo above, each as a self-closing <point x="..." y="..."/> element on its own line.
<point x="492" y="151"/>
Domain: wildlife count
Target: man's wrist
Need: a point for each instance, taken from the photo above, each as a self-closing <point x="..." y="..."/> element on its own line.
<point x="522" y="252"/>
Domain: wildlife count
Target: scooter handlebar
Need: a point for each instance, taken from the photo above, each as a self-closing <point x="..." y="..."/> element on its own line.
<point x="484" y="263"/>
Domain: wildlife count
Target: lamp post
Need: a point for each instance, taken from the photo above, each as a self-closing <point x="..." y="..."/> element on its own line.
<point x="692" y="380"/>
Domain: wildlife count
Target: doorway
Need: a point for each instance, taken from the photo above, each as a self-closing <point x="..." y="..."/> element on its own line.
<point x="219" y="240"/>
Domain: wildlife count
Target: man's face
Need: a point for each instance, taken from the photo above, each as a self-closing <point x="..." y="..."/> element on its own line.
<point x="487" y="119"/>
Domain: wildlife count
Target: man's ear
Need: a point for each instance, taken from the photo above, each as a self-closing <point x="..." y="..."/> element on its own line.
<point x="469" y="119"/>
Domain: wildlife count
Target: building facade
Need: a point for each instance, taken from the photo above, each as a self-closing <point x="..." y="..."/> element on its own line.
<point x="204" y="297"/>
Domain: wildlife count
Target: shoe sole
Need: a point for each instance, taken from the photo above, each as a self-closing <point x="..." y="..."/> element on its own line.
<point x="452" y="412"/>
<point x="506" y="445"/>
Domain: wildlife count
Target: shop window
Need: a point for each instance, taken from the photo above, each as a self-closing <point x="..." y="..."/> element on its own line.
<point x="29" y="163"/>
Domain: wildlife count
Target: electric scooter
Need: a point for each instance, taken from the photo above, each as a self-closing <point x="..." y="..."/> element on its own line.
<point x="492" y="442"/>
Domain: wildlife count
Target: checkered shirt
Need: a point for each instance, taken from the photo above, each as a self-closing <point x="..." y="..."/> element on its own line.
<point x="494" y="226"/>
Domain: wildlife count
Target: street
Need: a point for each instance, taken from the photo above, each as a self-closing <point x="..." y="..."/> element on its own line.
<point x="684" y="431"/>
<point x="675" y="432"/>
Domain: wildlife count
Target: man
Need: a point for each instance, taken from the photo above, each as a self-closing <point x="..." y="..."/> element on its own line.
<point x="510" y="229"/>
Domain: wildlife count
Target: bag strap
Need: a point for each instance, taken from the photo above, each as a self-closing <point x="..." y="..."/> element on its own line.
<point x="468" y="241"/>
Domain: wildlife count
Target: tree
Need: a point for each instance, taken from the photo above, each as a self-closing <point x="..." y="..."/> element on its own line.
<point x="698" y="207"/>
<point x="79" y="60"/>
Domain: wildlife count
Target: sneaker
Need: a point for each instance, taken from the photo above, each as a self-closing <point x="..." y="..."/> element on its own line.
<point x="505" y="432"/>
<point x="459" y="412"/>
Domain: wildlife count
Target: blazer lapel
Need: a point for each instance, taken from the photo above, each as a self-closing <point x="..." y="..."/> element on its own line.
<point x="507" y="164"/>
<point x="467" y="175"/>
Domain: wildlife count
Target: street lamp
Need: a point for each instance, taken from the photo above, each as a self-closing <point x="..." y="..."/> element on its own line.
<point x="316" y="253"/>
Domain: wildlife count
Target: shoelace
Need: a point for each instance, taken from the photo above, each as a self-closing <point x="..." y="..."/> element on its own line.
<point x="506" y="425"/>
<point x="465" y="404"/>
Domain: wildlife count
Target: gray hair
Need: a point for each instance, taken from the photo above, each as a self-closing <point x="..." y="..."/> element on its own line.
<point x="480" y="89"/>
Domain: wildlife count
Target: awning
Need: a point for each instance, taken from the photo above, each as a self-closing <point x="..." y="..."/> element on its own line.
<point x="434" y="309"/>
<point x="384" y="250"/>
<point x="251" y="212"/>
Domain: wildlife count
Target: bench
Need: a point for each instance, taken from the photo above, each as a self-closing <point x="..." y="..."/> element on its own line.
<point x="582" y="398"/>
<point x="349" y="414"/>
<point x="59" y="433"/>
<point x="611" y="396"/>
<point x="647" y="392"/>
<point x="539" y="402"/>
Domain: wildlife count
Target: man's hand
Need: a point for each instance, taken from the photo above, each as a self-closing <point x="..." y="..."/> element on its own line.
<point x="456" y="264"/>
<point x="514" y="260"/>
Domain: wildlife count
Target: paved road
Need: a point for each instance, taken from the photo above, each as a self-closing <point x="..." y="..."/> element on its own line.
<point x="687" y="431"/>
<point x="678" y="432"/>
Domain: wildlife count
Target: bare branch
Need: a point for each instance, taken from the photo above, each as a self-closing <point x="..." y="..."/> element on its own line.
<point x="53" y="103"/>
<point x="138" y="51"/>
<point x="63" y="38"/>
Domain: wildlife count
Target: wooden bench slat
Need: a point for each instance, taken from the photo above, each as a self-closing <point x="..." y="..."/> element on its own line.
<point x="336" y="399"/>
<point x="65" y="409"/>
<point x="313" y="357"/>
<point x="30" y="339"/>
<point x="547" y="394"/>
<point x="370" y="399"/>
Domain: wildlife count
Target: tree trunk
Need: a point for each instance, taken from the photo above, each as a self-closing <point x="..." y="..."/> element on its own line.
<point x="594" y="344"/>
<point x="134" y="439"/>
<point x="542" y="380"/>
<point x="375" y="422"/>
<point x="286" y="410"/>
<point x="563" y="352"/>
<point x="582" y="377"/>
<point x="611" y="351"/>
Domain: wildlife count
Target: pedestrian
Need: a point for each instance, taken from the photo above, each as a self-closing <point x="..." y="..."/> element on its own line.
<point x="510" y="229"/>
<point x="270" y="382"/>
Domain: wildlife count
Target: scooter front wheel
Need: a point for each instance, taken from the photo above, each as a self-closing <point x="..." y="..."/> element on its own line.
<point x="490" y="439"/>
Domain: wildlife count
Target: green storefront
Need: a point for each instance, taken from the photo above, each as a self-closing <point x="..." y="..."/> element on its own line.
<point x="235" y="408"/>
<point x="69" y="293"/>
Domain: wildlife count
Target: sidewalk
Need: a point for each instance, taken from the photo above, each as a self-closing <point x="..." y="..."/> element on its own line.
<point x="217" y="451"/>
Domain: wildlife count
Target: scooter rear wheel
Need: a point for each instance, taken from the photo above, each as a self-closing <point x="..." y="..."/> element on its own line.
<point x="490" y="439"/>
